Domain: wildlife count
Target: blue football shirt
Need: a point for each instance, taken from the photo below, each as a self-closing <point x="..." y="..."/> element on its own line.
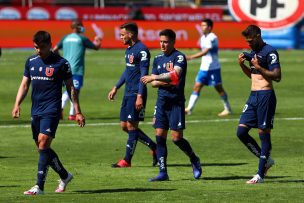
<point x="137" y="58"/>
<point x="47" y="76"/>
<point x="165" y="63"/>
<point x="268" y="58"/>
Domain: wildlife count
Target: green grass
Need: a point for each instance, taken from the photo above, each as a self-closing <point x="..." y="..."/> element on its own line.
<point x="89" y="152"/>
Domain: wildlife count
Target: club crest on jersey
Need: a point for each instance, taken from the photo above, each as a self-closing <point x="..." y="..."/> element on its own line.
<point x="131" y="58"/>
<point x="169" y="66"/>
<point x="49" y="71"/>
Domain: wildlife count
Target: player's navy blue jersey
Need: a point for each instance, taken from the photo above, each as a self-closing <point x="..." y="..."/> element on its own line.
<point x="137" y="59"/>
<point x="46" y="77"/>
<point x="268" y="58"/>
<point x="166" y="63"/>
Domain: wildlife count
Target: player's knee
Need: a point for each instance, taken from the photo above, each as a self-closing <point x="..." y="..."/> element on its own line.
<point x="242" y="132"/>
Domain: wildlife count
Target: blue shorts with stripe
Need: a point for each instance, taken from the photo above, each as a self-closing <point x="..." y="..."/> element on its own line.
<point x="210" y="78"/>
<point x="169" y="114"/>
<point x="45" y="124"/>
<point x="259" y="110"/>
<point x="128" y="111"/>
<point x="77" y="81"/>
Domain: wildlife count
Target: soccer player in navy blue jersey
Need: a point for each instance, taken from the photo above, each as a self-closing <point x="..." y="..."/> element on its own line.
<point x="137" y="58"/>
<point x="46" y="72"/>
<point x="259" y="110"/>
<point x="169" y="75"/>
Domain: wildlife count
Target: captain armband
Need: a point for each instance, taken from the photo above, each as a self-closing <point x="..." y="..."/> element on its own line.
<point x="174" y="77"/>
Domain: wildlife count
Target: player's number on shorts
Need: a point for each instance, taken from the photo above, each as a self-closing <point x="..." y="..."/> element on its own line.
<point x="143" y="55"/>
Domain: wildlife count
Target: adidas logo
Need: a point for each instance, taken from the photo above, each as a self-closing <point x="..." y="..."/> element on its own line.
<point x="129" y="116"/>
<point x="48" y="130"/>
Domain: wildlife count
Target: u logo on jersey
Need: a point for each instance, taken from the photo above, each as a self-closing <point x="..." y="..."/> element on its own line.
<point x="169" y="66"/>
<point x="49" y="71"/>
<point x="131" y="58"/>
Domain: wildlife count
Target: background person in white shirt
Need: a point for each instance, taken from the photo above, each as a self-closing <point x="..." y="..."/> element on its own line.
<point x="210" y="69"/>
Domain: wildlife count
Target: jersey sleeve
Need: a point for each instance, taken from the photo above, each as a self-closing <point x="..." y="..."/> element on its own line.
<point x="67" y="73"/>
<point x="121" y="80"/>
<point x="88" y="43"/>
<point x="144" y="64"/>
<point x="27" y="69"/>
<point x="180" y="61"/>
<point x="154" y="67"/>
<point x="273" y="60"/>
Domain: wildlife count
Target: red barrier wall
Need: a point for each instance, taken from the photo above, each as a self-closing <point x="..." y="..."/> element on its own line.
<point x="14" y="34"/>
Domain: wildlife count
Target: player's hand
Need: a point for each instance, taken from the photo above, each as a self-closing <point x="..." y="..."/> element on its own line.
<point x="112" y="94"/>
<point x="147" y="79"/>
<point x="16" y="112"/>
<point x="255" y="62"/>
<point x="80" y="120"/>
<point x="241" y="59"/>
<point x="139" y="104"/>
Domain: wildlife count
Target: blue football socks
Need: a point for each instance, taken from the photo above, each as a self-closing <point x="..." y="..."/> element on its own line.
<point x="56" y="165"/>
<point x="42" y="167"/>
<point x="265" y="152"/>
<point x="131" y="145"/>
<point x="249" y="142"/>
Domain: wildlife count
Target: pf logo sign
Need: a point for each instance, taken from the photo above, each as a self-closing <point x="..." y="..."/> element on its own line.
<point x="268" y="14"/>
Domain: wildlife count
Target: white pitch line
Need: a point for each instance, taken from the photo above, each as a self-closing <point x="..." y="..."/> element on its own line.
<point x="149" y="123"/>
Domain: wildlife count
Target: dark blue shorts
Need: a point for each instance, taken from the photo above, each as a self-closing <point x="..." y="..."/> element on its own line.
<point x="259" y="110"/>
<point x="45" y="124"/>
<point x="128" y="111"/>
<point x="169" y="114"/>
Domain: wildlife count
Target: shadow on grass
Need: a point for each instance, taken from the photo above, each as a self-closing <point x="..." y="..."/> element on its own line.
<point x="208" y="164"/>
<point x="4" y="186"/>
<point x="121" y="190"/>
<point x="289" y="181"/>
<point x="240" y="177"/>
<point x="6" y="157"/>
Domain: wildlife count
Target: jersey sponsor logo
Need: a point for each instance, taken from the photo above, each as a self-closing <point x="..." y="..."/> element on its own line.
<point x="49" y="71"/>
<point x="268" y="14"/>
<point x="41" y="78"/>
<point x="169" y="66"/>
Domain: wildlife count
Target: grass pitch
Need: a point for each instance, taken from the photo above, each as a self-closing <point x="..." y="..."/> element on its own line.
<point x="89" y="152"/>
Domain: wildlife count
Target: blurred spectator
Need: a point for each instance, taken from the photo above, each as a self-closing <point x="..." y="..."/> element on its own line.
<point x="135" y="12"/>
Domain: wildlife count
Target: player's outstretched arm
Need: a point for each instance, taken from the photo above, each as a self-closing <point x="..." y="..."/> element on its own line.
<point x="21" y="94"/>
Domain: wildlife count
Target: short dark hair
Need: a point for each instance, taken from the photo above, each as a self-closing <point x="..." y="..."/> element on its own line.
<point x="131" y="27"/>
<point x="209" y="22"/>
<point x="42" y="37"/>
<point x="75" y="23"/>
<point x="252" y="30"/>
<point x="168" y="33"/>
